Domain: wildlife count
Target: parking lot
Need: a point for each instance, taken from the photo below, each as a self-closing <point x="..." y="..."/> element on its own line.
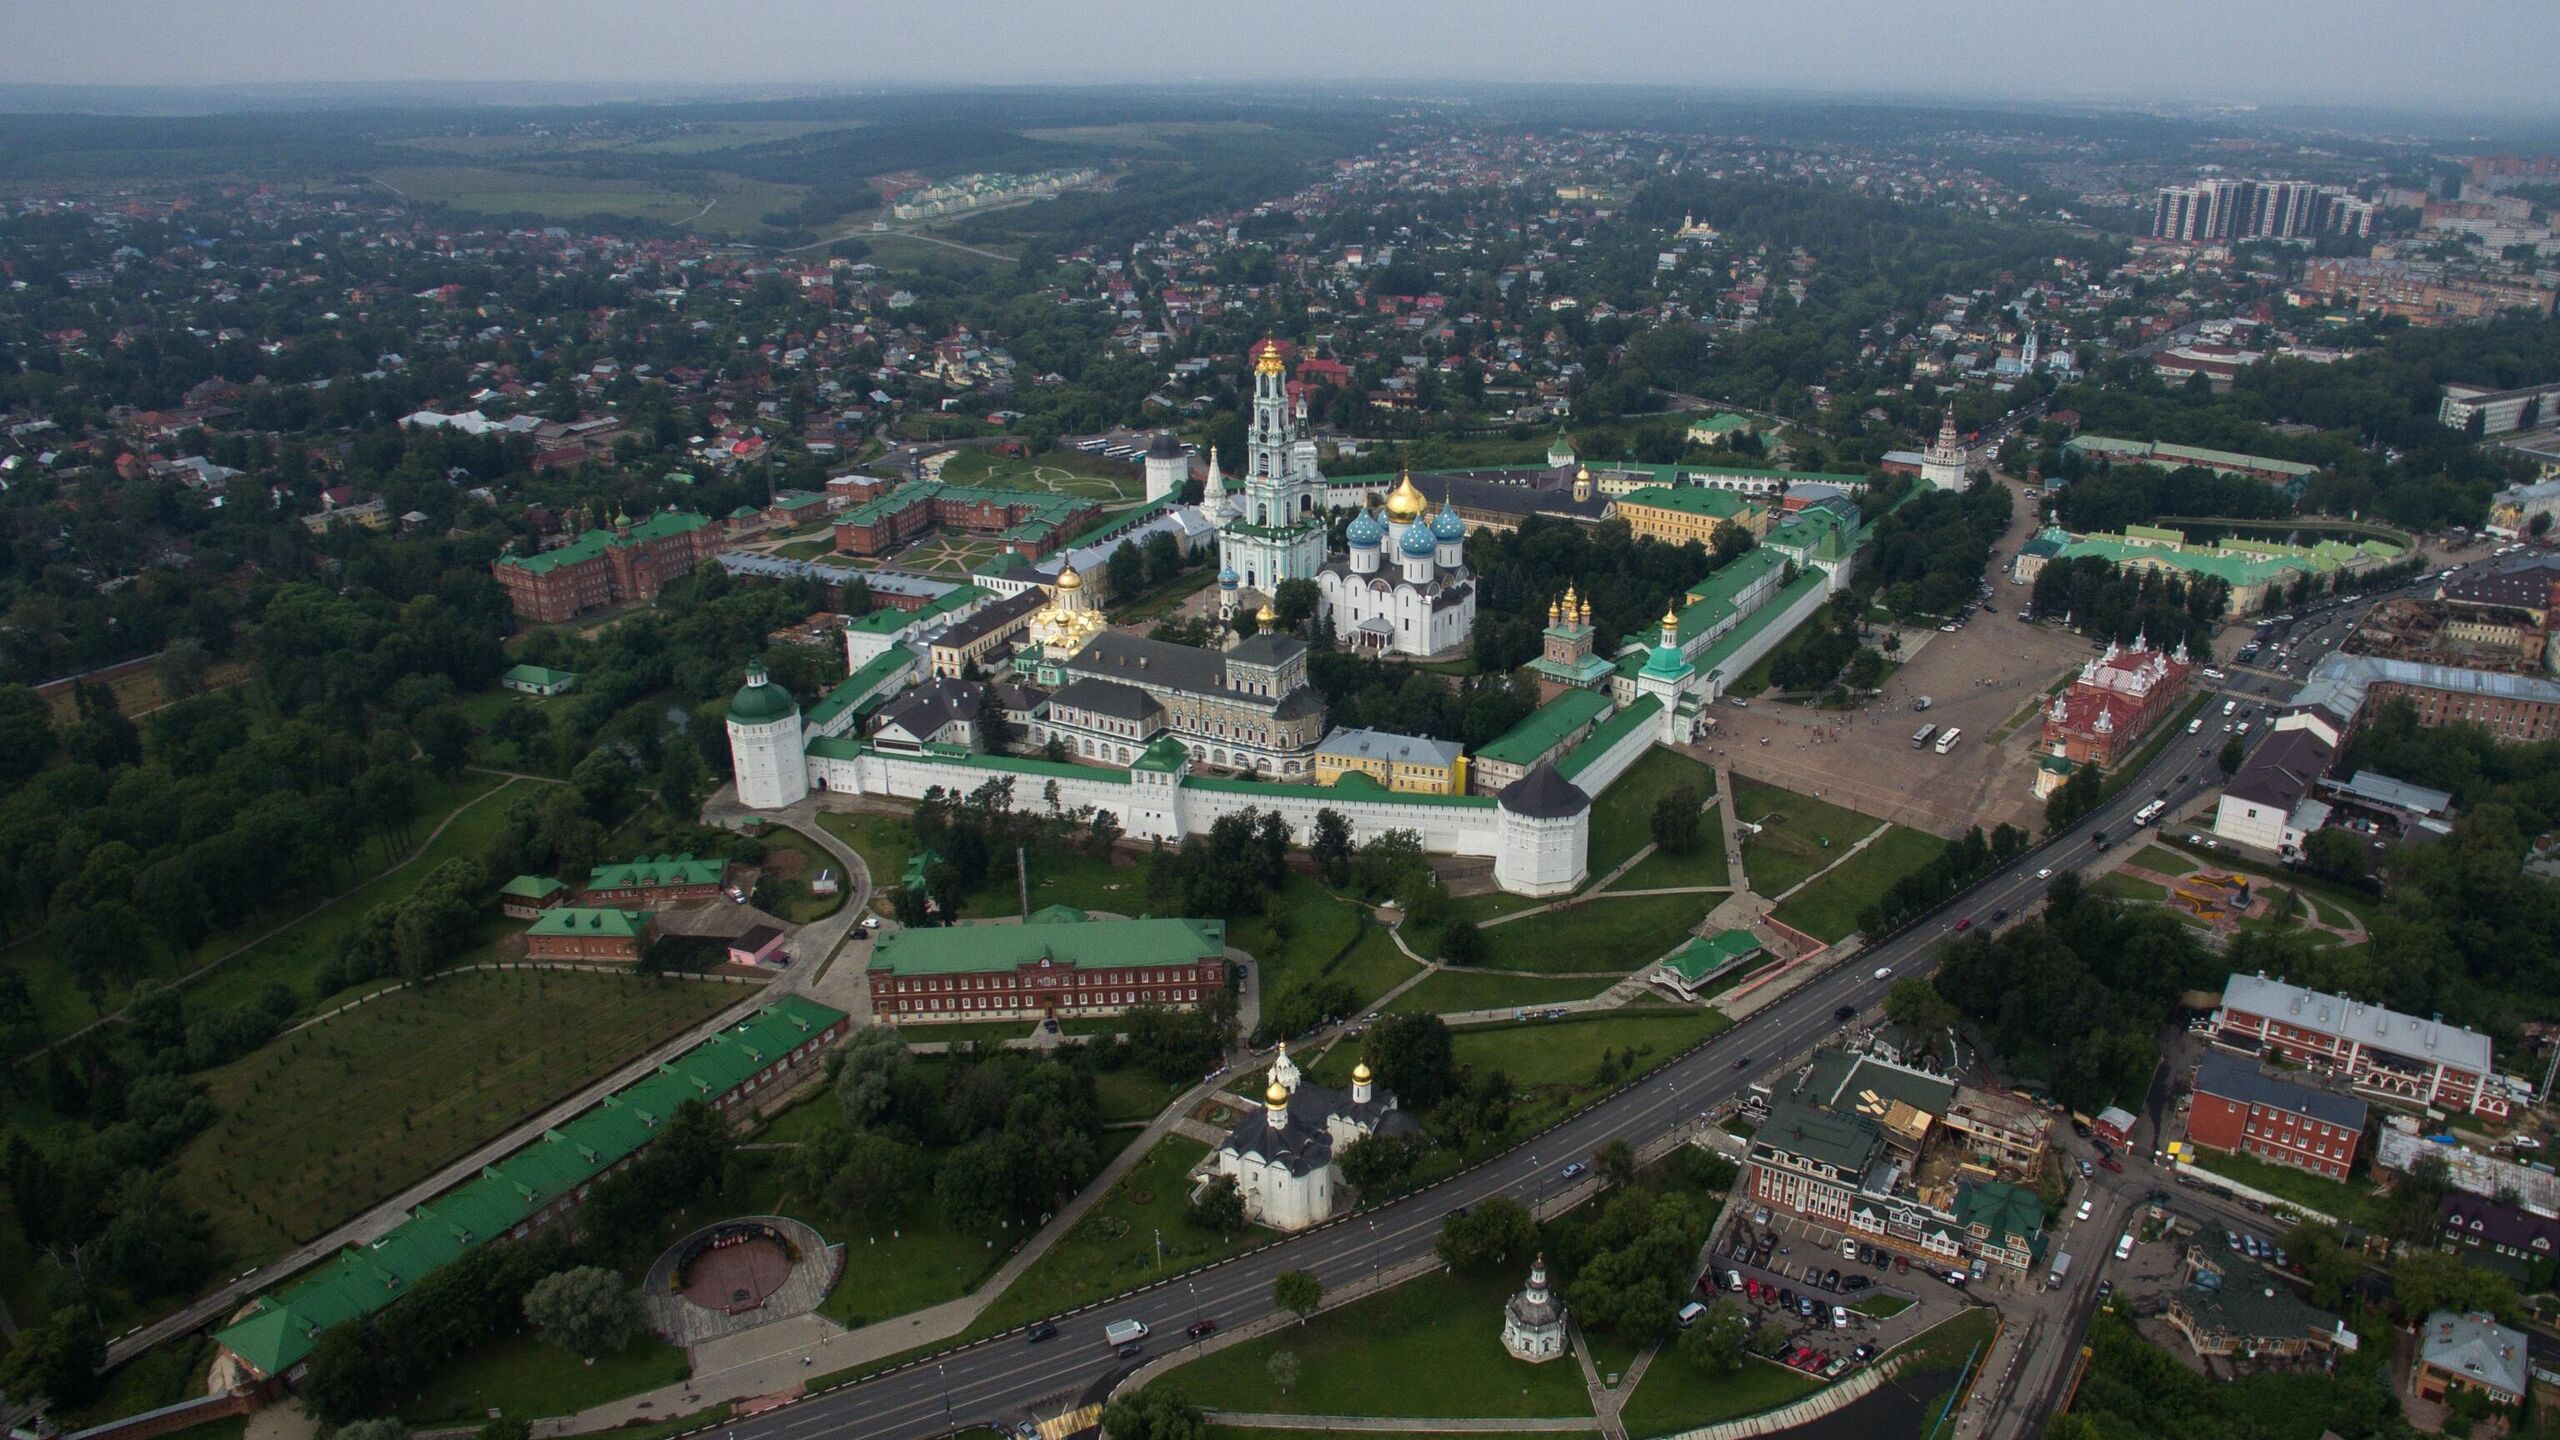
<point x="1978" y="678"/>
<point x="1790" y="1266"/>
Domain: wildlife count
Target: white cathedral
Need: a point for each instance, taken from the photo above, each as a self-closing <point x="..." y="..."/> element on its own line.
<point x="1403" y="588"/>
<point x="1286" y="1157"/>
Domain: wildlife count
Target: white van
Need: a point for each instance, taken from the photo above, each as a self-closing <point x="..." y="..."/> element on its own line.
<point x="2230" y="705"/>
<point x="2124" y="1246"/>
<point x="1689" y="1314"/>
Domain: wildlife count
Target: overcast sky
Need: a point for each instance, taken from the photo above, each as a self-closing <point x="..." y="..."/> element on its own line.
<point x="2392" y="53"/>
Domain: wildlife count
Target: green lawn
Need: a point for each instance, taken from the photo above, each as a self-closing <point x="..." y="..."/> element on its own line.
<point x="2126" y="887"/>
<point x="1829" y="907"/>
<point x="293" y="955"/>
<point x="1057" y="877"/>
<point x="1113" y="1248"/>
<point x="2356" y="1202"/>
<point x="1676" y="1395"/>
<point x="1055" y="472"/>
<point x="807" y="858"/>
<point x="483" y="710"/>
<point x="1800" y="834"/>
<point x="1452" y="990"/>
<point x="1622" y="815"/>
<point x="898" y="1266"/>
<point x="1599" y="936"/>
<point x="1882" y="1307"/>
<point x="1311" y="934"/>
<point x="1702" y="866"/>
<point x="1132" y="1094"/>
<point x="1431" y="1347"/>
<point x="1555" y="1064"/>
<point x="320" y="1124"/>
<point x="525" y="1377"/>
<point x="2164" y="860"/>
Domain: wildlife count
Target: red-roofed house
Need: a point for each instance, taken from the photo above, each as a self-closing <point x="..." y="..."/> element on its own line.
<point x="2105" y="712"/>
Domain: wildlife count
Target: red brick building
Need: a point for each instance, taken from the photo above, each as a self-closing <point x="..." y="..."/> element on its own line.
<point x="2241" y="1109"/>
<point x="607" y="567"/>
<point x="2383" y="1053"/>
<point x="2116" y="701"/>
<point x="1069" y="966"/>
<point x="654" y="882"/>
<point x="1026" y="522"/>
<point x="578" y="932"/>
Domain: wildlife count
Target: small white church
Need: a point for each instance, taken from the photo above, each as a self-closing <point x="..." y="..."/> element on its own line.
<point x="1283" y="1156"/>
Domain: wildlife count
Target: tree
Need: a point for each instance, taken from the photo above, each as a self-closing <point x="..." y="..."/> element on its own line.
<point x="1463" y="944"/>
<point x="1283" y="1366"/>
<point x="586" y="1311"/>
<point x="1617" y="1163"/>
<point x="58" y="1360"/>
<point x="1127" y="570"/>
<point x="1219" y="1207"/>
<point x="1374" y="1164"/>
<point x="1299" y="1292"/>
<point x="1158" y="1412"/>
<point x="2233" y="752"/>
<point x="1413" y="1057"/>
<point x="1715" y="1344"/>
<point x="1331" y="846"/>
<point x="1492" y="1234"/>
<point x="871" y="1069"/>
<point x="1675" y="820"/>
<point x="1295" y="602"/>
<point x="1916" y="1003"/>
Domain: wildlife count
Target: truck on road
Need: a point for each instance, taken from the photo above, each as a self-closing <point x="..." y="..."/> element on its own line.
<point x="1124" y="1332"/>
<point x="2061" y="1268"/>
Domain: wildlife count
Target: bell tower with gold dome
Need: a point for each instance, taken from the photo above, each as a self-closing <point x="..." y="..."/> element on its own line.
<point x="1276" y="532"/>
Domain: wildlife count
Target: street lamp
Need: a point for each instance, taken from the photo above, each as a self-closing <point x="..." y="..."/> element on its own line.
<point x="946" y="1392"/>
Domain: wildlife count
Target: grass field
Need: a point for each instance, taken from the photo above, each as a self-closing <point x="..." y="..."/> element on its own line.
<point x="525" y="1377"/>
<point x="1556" y="1064"/>
<point x="1057" y="878"/>
<point x="1800" y="834"/>
<point x="2357" y="1202"/>
<point x="1622" y="816"/>
<point x="483" y="710"/>
<point x="1053" y="472"/>
<point x="2164" y="860"/>
<point x="1303" y="940"/>
<point x="1600" y="936"/>
<point x="1431" y="1347"/>
<point x="1452" y="990"/>
<point x="292" y="956"/>
<point x="799" y="906"/>
<point x="1828" y="908"/>
<point x="1675" y="1395"/>
<point x="324" y="1122"/>
<point x="2126" y="887"/>
<point x="1113" y="1248"/>
<point x="714" y="202"/>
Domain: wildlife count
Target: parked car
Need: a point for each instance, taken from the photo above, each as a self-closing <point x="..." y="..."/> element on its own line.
<point x="1831" y="1279"/>
<point x="2112" y="1165"/>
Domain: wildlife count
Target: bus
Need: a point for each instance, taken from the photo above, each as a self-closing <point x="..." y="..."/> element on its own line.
<point x="1948" y="741"/>
<point x="2150" y="814"/>
<point x="1922" y="736"/>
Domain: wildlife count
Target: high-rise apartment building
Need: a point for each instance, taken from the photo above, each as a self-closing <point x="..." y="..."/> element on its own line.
<point x="2256" y="210"/>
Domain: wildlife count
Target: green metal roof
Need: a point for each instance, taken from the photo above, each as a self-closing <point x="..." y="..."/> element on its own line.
<point x="596" y="542"/>
<point x="1546" y="727"/>
<point x="1689" y="500"/>
<point x="533" y="887"/>
<point x="652" y="871"/>
<point x="1645" y="711"/>
<point x="863" y="685"/>
<point x="887" y="621"/>
<point x="1713" y="954"/>
<point x="1726" y="647"/>
<point x="2008" y="1214"/>
<point x="1096" y="944"/>
<point x="1847" y="1143"/>
<point x="538" y="675"/>
<point x="1335" y="792"/>
<point x="761" y="701"/>
<point x="588" y="920"/>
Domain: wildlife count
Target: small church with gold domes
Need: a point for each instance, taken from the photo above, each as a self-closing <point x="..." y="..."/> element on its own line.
<point x="1401" y="586"/>
<point x="1285" y="1156"/>
<point x="1070" y="620"/>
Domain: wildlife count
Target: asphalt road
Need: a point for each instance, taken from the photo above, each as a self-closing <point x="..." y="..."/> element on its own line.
<point x="998" y="1379"/>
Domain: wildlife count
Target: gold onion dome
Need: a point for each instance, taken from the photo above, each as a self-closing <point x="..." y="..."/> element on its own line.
<point x="1405" y="502"/>
<point x="1670" y="616"/>
<point x="1278" y="1094"/>
<point x="1360" y="1072"/>
<point x="1266" y="358"/>
<point x="1068" y="579"/>
<point x="1266" y="615"/>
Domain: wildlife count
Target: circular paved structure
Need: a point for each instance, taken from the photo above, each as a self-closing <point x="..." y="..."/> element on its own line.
<point x="738" y="1274"/>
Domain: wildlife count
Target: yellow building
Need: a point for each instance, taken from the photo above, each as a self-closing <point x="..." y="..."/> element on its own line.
<point x="1409" y="763"/>
<point x="1676" y="515"/>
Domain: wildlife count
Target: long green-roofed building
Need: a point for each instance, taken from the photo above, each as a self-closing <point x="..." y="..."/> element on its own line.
<point x="533" y="1187"/>
<point x="1000" y="972"/>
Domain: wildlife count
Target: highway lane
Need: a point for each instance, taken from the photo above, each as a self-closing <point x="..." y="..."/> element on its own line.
<point x="997" y="1379"/>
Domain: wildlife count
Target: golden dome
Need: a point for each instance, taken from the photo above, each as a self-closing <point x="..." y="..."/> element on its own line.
<point x="1360" y="1072"/>
<point x="1406" y="503"/>
<point x="1670" y="616"/>
<point x="1278" y="1094"/>
<point x="1582" y="474"/>
<point x="1266" y="615"/>
<point x="1068" y="579"/>
<point x="1266" y="358"/>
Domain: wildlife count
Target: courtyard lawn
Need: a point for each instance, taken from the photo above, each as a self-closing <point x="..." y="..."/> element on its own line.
<point x="1129" y="1093"/>
<point x="1054" y="472"/>
<point x="1113" y="1248"/>
<point x="793" y="859"/>
<point x="1702" y="866"/>
<point x="1058" y="877"/>
<point x="1828" y="908"/>
<point x="1301" y="937"/>
<point x="324" y="1122"/>
<point x="1598" y="936"/>
<point x="1881" y="1307"/>
<point x="2164" y="860"/>
<point x="897" y="1267"/>
<point x="1676" y="1395"/>
<point x="1431" y="1347"/>
<point x="1622" y="815"/>
<point x="1799" y="834"/>
<point x="1455" y="990"/>
<point x="525" y="1377"/>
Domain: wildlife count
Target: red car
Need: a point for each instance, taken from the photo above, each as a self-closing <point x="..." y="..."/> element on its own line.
<point x="1203" y="1328"/>
<point x="2109" y="1161"/>
<point x="1964" y="924"/>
